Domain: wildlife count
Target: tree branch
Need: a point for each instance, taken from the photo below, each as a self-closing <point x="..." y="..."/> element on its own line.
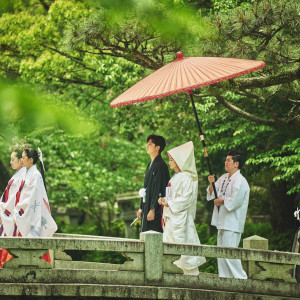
<point x="263" y="101"/>
<point x="245" y="114"/>
<point x="76" y="59"/>
<point x="260" y="82"/>
<point x="80" y="81"/>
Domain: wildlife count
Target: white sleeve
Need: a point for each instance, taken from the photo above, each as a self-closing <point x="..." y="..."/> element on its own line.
<point x="183" y="199"/>
<point x="217" y="185"/>
<point x="27" y="212"/>
<point x="236" y="199"/>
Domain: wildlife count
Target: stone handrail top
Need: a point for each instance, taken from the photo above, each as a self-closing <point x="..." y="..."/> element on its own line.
<point x="69" y="235"/>
<point x="81" y="242"/>
<point x="229" y="252"/>
<point x="72" y="243"/>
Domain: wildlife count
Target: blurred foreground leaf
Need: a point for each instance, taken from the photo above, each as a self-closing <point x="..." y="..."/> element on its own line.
<point x="23" y="110"/>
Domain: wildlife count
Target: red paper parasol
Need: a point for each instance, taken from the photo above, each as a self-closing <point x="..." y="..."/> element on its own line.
<point x="183" y="75"/>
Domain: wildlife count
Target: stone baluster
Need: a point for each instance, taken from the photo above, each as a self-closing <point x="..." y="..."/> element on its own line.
<point x="153" y="257"/>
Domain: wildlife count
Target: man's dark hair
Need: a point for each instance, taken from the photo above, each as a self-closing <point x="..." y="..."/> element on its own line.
<point x="236" y="157"/>
<point x="158" y="141"/>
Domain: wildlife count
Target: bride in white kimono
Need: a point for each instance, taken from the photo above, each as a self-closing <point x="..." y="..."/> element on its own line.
<point x="180" y="206"/>
<point x="32" y="212"/>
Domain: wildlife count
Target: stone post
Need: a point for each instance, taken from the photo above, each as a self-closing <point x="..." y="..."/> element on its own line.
<point x="254" y="242"/>
<point x="264" y="270"/>
<point x="153" y="257"/>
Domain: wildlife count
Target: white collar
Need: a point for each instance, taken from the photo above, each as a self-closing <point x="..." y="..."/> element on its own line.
<point x="31" y="169"/>
<point x="234" y="174"/>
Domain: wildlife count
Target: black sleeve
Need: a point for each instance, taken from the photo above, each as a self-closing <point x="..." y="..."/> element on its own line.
<point x="161" y="178"/>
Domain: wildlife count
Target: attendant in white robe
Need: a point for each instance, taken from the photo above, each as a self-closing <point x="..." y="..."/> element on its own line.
<point x="230" y="212"/>
<point x="180" y="206"/>
<point x="32" y="212"/>
<point x="8" y="200"/>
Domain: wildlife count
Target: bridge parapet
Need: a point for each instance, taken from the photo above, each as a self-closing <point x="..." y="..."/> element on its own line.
<point x="150" y="263"/>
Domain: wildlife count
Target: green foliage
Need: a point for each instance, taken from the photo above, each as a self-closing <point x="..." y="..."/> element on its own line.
<point x="280" y="242"/>
<point x="22" y="110"/>
<point x="84" y="172"/>
<point x="130" y="28"/>
<point x="225" y="5"/>
<point x="286" y="161"/>
<point x="84" y="54"/>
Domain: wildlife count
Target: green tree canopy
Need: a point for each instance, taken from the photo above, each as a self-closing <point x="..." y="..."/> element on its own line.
<point x="87" y="53"/>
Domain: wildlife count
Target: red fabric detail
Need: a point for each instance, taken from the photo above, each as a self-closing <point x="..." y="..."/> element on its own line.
<point x="4" y="257"/>
<point x="16" y="232"/>
<point x="22" y="211"/>
<point x="162" y="219"/>
<point x="47" y="205"/>
<point x="6" y="192"/>
<point x="7" y="211"/>
<point x="46" y="257"/>
<point x="19" y="191"/>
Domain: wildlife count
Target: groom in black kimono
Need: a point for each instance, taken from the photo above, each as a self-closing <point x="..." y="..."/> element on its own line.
<point x="156" y="179"/>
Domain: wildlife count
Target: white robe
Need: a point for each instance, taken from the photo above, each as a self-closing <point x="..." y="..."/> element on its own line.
<point x="235" y="193"/>
<point x="230" y="219"/>
<point x="179" y="219"/>
<point x="7" y="207"/>
<point x="32" y="213"/>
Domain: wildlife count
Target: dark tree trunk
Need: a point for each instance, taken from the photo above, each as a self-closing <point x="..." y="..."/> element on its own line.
<point x="4" y="177"/>
<point x="282" y="207"/>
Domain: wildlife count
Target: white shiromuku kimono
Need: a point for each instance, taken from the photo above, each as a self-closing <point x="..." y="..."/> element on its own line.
<point x="32" y="212"/>
<point x="8" y="202"/>
<point x="230" y="219"/>
<point x="182" y="200"/>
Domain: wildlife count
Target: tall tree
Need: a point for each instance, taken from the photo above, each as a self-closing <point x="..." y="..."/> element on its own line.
<point x="263" y="109"/>
<point x="88" y="53"/>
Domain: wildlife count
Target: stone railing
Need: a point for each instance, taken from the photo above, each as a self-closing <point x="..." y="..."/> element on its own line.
<point x="149" y="263"/>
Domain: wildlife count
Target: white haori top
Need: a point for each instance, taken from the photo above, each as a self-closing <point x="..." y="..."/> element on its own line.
<point x="235" y="192"/>
<point x="182" y="205"/>
<point x="32" y="213"/>
<point x="8" y="201"/>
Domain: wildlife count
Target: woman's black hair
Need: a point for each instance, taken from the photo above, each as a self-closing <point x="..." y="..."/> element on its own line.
<point x="18" y="153"/>
<point x="32" y="153"/>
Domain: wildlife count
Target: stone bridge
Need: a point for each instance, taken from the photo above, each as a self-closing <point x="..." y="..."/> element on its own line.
<point x="148" y="272"/>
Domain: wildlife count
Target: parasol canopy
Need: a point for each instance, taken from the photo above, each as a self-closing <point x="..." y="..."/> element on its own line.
<point x="185" y="74"/>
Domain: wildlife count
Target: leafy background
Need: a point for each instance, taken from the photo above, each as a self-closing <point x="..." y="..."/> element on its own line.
<point x="63" y="62"/>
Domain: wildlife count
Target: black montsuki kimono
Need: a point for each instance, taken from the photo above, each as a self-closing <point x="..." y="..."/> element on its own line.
<point x="156" y="179"/>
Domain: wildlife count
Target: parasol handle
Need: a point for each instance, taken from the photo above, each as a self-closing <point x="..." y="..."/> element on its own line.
<point x="203" y="142"/>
